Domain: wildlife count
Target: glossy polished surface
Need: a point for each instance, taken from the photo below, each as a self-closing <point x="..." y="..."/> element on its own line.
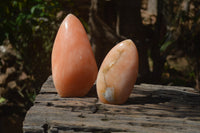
<point x="74" y="67"/>
<point x="118" y="73"/>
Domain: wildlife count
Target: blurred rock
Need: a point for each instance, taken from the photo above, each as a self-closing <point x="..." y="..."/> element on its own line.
<point x="15" y="84"/>
<point x="10" y="70"/>
<point x="3" y="78"/>
<point x="11" y="85"/>
<point x="23" y="76"/>
<point x="2" y="90"/>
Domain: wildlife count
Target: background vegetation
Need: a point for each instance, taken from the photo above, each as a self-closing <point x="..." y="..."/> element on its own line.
<point x="168" y="41"/>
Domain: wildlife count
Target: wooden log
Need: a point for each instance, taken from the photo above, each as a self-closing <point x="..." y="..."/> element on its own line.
<point x="150" y="109"/>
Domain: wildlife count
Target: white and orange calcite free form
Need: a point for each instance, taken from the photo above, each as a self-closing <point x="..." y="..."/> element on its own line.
<point x="118" y="73"/>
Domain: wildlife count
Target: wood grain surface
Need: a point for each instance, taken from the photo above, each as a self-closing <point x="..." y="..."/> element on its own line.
<point x="150" y="109"/>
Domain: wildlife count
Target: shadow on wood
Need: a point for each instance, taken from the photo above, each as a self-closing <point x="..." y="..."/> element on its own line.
<point x="150" y="109"/>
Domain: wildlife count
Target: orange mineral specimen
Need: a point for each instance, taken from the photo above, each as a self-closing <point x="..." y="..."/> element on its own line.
<point x="74" y="68"/>
<point x="118" y="73"/>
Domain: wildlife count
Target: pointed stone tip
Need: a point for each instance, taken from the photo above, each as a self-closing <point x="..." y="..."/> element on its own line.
<point x="70" y="15"/>
<point x="129" y="40"/>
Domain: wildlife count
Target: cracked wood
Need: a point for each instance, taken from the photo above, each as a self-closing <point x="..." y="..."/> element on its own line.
<point x="150" y="109"/>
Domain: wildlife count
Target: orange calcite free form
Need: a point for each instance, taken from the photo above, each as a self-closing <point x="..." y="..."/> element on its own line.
<point x="74" y="67"/>
<point x="118" y="73"/>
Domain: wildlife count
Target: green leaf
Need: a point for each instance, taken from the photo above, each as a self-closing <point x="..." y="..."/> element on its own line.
<point x="20" y="6"/>
<point x="2" y="100"/>
<point x="165" y="45"/>
<point x="33" y="9"/>
<point x="14" y="3"/>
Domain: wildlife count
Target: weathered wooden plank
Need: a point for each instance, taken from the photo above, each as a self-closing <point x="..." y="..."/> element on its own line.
<point x="150" y="109"/>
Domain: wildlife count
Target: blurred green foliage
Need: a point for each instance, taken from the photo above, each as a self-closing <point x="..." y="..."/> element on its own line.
<point x="183" y="34"/>
<point x="30" y="26"/>
<point x="2" y="100"/>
